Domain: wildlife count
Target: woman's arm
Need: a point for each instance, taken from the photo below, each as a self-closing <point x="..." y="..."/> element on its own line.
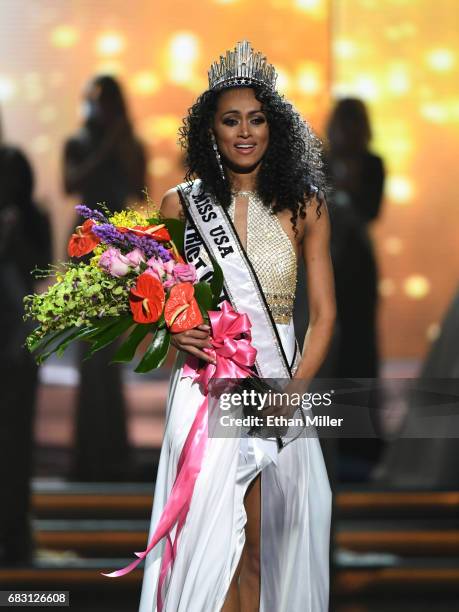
<point x="321" y="290"/>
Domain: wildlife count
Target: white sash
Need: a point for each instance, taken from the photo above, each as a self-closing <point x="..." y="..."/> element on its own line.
<point x="212" y="229"/>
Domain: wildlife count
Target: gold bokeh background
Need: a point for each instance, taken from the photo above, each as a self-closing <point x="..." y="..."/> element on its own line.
<point x="400" y="56"/>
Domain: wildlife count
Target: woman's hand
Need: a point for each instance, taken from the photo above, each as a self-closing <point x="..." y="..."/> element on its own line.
<point x="194" y="341"/>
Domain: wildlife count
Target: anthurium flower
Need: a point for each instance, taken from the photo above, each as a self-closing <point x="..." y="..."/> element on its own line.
<point x="146" y="299"/>
<point x="181" y="311"/>
<point x="83" y="241"/>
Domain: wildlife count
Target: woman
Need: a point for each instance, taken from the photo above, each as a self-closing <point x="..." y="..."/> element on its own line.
<point x="357" y="176"/>
<point x="103" y="162"/>
<point x="25" y="240"/>
<point x="251" y="154"/>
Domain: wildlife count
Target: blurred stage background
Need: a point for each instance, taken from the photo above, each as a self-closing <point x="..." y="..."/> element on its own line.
<point x="401" y="58"/>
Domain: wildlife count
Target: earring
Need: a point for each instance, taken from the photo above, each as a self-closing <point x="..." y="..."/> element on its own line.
<point x="217" y="155"/>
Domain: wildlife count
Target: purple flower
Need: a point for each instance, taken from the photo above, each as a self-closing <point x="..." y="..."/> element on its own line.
<point x="128" y="241"/>
<point x="88" y="213"/>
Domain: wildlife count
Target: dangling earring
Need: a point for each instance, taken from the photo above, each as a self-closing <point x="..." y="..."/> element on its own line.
<point x="217" y="155"/>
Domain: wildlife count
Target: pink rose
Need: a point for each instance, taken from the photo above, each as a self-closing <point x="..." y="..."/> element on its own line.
<point x="185" y="273"/>
<point x="156" y="268"/>
<point x="135" y="258"/>
<point x="113" y="262"/>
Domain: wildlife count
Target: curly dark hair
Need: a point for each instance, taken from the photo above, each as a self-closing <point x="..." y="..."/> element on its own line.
<point x="292" y="171"/>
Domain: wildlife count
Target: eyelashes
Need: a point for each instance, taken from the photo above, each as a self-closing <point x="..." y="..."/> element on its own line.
<point x="255" y="121"/>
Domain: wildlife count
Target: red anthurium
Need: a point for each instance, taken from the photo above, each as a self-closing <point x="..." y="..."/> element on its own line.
<point x="83" y="241"/>
<point x="158" y="232"/>
<point x="146" y="299"/>
<point x="182" y="311"/>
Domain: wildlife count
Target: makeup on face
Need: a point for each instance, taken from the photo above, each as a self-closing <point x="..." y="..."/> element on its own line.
<point x="241" y="128"/>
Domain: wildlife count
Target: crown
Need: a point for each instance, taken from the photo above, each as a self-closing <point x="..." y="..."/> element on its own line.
<point x="242" y="67"/>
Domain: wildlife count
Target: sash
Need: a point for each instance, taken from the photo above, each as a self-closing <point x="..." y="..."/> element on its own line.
<point x="210" y="231"/>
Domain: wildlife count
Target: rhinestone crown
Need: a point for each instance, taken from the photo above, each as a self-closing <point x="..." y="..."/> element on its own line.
<point x="242" y="67"/>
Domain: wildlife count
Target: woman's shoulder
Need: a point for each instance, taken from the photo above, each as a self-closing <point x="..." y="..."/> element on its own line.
<point x="315" y="208"/>
<point x="171" y="206"/>
<point x="172" y="200"/>
<point x="172" y="203"/>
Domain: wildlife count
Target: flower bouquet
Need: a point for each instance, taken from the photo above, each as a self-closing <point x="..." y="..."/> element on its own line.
<point x="131" y="279"/>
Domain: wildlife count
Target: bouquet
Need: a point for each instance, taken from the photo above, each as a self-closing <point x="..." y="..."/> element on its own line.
<point x="131" y="279"/>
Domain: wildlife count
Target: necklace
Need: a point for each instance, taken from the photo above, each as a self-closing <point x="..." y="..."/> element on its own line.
<point x="247" y="193"/>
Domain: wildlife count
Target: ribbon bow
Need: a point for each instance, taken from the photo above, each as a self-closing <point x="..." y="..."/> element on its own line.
<point x="231" y="348"/>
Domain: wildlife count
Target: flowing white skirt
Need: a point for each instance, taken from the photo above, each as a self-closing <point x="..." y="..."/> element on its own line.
<point x="295" y="515"/>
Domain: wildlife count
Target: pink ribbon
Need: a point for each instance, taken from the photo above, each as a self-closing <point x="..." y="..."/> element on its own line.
<point x="234" y="355"/>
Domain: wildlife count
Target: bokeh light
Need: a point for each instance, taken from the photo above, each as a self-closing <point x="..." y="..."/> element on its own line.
<point x="7" y="88"/>
<point x="64" y="36"/>
<point x="399" y="189"/>
<point x="416" y="286"/>
<point x="310" y="78"/>
<point x="145" y="83"/>
<point x="441" y="60"/>
<point x="110" y="43"/>
<point x="393" y="245"/>
<point x="182" y="57"/>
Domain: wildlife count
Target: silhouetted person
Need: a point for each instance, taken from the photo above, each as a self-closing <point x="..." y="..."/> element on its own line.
<point x="103" y="162"/>
<point x="25" y="242"/>
<point x="357" y="179"/>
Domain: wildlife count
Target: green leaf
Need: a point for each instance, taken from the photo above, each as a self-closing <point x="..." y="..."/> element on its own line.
<point x="203" y="295"/>
<point x="176" y="229"/>
<point x="156" y="353"/>
<point x="127" y="350"/>
<point x="44" y="356"/>
<point x="216" y="284"/>
<point x="79" y="334"/>
<point x="110" y="334"/>
<point x="43" y="342"/>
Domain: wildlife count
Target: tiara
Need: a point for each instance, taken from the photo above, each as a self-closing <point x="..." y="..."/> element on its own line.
<point x="242" y="67"/>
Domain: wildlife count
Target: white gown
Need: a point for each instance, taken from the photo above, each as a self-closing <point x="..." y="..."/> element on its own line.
<point x="295" y="514"/>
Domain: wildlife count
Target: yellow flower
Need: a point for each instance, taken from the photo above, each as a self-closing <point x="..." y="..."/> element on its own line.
<point x="127" y="218"/>
<point x="98" y="250"/>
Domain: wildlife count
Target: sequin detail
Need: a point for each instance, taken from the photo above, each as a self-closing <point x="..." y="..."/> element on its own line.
<point x="272" y="256"/>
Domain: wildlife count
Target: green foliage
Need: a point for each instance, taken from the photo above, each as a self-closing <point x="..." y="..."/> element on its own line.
<point x="82" y="295"/>
<point x="176" y="229"/>
<point x="203" y="295"/>
<point x="127" y="350"/>
<point x="156" y="353"/>
<point x="106" y="336"/>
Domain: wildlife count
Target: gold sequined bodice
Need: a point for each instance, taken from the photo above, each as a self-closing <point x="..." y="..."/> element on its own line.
<point x="272" y="255"/>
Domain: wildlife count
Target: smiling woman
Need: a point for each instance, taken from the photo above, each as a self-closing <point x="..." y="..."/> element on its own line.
<point x="253" y="170"/>
<point x="241" y="129"/>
